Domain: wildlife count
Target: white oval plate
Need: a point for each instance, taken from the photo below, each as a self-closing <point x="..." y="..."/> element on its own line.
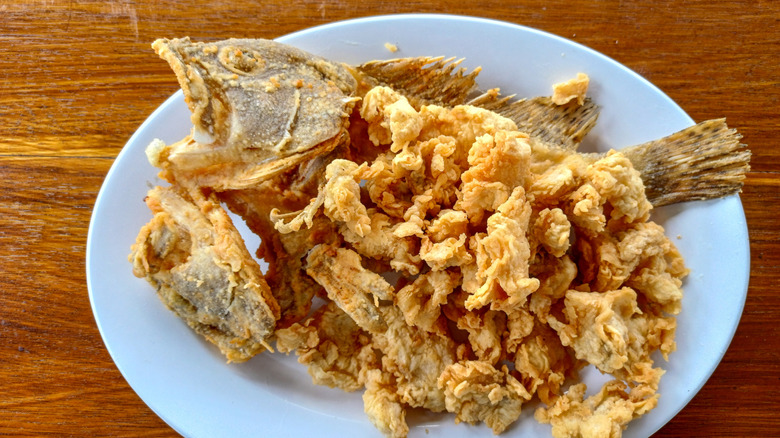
<point x="186" y="381"/>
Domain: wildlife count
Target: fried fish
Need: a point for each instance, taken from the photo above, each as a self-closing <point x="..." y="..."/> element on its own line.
<point x="470" y="258"/>
<point x="196" y="259"/>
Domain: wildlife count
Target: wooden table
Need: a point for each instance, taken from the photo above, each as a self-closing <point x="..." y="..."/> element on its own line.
<point x="78" y="77"/>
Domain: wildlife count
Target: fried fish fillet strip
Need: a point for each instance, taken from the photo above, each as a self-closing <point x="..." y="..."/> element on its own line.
<point x="382" y="404"/>
<point x="608" y="330"/>
<point x="415" y="358"/>
<point x="543" y="362"/>
<point x="497" y="164"/>
<point x="503" y="256"/>
<point x="381" y="243"/>
<point x="196" y="259"/>
<point x="477" y="391"/>
<point x="421" y="300"/>
<point x="355" y="289"/>
<point x="339" y="196"/>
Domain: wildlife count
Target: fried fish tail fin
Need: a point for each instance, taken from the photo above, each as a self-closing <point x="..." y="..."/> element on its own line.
<point x="423" y="80"/>
<point x="705" y="161"/>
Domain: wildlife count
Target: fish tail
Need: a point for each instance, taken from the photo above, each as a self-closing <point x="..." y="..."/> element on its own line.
<point x="705" y="161"/>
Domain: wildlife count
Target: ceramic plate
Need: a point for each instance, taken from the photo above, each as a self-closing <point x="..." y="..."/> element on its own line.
<point x="187" y="382"/>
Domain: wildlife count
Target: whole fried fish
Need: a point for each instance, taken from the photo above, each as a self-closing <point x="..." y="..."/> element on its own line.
<point x="503" y="243"/>
<point x="260" y="108"/>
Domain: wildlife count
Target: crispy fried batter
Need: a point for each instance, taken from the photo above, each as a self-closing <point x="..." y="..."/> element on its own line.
<point x="477" y="391"/>
<point x="381" y="243"/>
<point x="573" y="89"/>
<point x="609" y="331"/>
<point x="336" y="351"/>
<point x="497" y="164"/>
<point x="502" y="257"/>
<point x="605" y="414"/>
<point x="416" y="358"/>
<point x="339" y="197"/>
<point x="421" y="300"/>
<point x="544" y="362"/>
<point x="382" y="404"/>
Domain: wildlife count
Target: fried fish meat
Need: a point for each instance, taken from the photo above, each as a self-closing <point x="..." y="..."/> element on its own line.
<point x="191" y="253"/>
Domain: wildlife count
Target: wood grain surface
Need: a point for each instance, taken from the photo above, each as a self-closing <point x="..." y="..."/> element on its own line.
<point x="78" y="77"/>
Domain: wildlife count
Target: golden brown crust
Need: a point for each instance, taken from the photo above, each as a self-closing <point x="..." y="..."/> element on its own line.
<point x="191" y="253"/>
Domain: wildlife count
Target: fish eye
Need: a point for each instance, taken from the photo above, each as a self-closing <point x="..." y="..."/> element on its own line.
<point x="240" y="61"/>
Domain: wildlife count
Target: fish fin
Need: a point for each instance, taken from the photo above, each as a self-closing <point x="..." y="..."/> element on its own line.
<point x="704" y="161"/>
<point x="441" y="81"/>
<point x="561" y="125"/>
<point x="424" y="80"/>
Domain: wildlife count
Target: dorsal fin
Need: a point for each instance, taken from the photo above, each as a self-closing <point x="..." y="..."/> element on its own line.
<point x="441" y="81"/>
<point x="424" y="80"/>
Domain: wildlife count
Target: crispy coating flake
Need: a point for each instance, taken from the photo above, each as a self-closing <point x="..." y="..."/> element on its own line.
<point x="552" y="229"/>
<point x="605" y="414"/>
<point x="573" y="89"/>
<point x="477" y="391"/>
